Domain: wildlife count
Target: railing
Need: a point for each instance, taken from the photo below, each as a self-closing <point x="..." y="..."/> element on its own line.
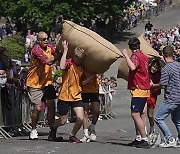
<point x="154" y="11"/>
<point x="15" y="111"/>
<point x="130" y="22"/>
<point x="106" y="107"/>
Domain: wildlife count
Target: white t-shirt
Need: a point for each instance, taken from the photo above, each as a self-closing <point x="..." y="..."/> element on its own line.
<point x="28" y="42"/>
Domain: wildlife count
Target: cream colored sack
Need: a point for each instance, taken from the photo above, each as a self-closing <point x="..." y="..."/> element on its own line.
<point x="100" y="53"/>
<point x="123" y="69"/>
<point x="145" y="48"/>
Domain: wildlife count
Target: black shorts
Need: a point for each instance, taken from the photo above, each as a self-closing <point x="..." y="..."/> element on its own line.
<point x="49" y="93"/>
<point x="64" y="106"/>
<point x="90" y="97"/>
<point x="138" y="104"/>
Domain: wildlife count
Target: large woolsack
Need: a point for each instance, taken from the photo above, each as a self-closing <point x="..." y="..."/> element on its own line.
<point x="145" y="47"/>
<point x="123" y="69"/>
<point x="100" y="53"/>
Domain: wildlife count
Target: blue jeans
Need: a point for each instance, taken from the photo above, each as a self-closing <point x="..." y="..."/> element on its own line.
<point x="162" y="113"/>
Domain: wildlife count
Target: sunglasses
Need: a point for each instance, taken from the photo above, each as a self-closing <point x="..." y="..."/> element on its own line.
<point x="43" y="39"/>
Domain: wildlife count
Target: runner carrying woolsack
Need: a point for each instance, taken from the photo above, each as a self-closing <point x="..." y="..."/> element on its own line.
<point x="100" y="52"/>
<point x="139" y="86"/>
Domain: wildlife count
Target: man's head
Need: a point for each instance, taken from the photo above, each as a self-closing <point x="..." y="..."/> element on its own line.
<point x="78" y="56"/>
<point x="42" y="39"/>
<point x="168" y="52"/>
<point x="134" y="43"/>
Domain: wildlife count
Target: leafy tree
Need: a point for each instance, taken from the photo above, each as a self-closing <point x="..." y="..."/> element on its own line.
<point x="45" y="13"/>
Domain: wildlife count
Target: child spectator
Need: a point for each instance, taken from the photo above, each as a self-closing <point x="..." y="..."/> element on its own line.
<point x="101" y="92"/>
<point x="70" y="93"/>
<point x="154" y="74"/>
<point x="113" y="79"/>
<point x="106" y="90"/>
<point x="113" y="84"/>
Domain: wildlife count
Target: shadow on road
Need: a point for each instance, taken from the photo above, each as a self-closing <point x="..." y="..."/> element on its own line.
<point x="123" y="142"/>
<point x="118" y="143"/>
<point x="122" y="36"/>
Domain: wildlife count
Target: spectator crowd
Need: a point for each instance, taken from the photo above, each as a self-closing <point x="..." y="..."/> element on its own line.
<point x="159" y="38"/>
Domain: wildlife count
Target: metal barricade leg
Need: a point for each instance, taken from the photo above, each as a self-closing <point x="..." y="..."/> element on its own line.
<point x="17" y="129"/>
<point x="4" y="133"/>
<point x="113" y="114"/>
<point x="27" y="126"/>
<point x="108" y="102"/>
<point x="103" y="107"/>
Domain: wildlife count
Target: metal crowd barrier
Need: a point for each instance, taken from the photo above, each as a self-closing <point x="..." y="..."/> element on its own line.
<point x="106" y="107"/>
<point x="154" y="11"/>
<point x="106" y="111"/>
<point x="14" y="111"/>
<point x="151" y="12"/>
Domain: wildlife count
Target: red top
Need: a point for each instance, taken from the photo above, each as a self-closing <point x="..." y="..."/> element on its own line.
<point x="140" y="76"/>
<point x="155" y="77"/>
<point x="37" y="52"/>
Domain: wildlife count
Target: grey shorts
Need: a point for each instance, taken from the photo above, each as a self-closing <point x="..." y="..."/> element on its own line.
<point x="39" y="95"/>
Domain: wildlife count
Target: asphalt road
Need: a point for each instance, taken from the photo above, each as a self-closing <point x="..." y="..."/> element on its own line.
<point x="112" y="135"/>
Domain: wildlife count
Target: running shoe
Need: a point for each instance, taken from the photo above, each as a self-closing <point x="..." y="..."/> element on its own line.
<point x="134" y="143"/>
<point x="85" y="138"/>
<point x="74" y="139"/>
<point x="168" y="143"/>
<point x="177" y="143"/>
<point x="143" y="144"/>
<point x="92" y="133"/>
<point x="33" y="135"/>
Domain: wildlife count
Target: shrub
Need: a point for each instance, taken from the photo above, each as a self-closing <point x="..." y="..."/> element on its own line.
<point x="57" y="73"/>
<point x="15" y="45"/>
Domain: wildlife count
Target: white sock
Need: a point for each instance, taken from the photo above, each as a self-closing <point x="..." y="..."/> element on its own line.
<point x="145" y="139"/>
<point x="86" y="132"/>
<point x="146" y="130"/>
<point x="138" y="137"/>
